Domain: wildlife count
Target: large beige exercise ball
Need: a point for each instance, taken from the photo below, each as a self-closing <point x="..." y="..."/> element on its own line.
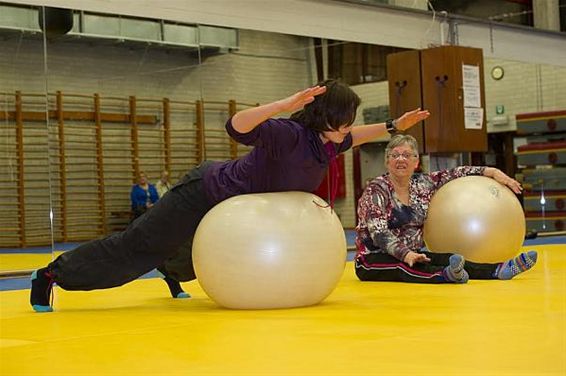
<point x="476" y="217"/>
<point x="269" y="250"/>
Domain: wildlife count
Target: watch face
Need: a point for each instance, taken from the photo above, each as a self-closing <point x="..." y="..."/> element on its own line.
<point x="497" y="73"/>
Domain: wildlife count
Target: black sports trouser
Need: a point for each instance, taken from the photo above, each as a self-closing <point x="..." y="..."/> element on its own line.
<point x="162" y="235"/>
<point x="384" y="267"/>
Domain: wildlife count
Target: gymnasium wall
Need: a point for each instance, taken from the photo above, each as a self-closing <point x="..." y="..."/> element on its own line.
<point x="356" y="21"/>
<point x="525" y="87"/>
<point x="267" y="67"/>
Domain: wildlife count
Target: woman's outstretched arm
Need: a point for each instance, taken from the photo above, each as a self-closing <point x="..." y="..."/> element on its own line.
<point x="246" y="120"/>
<point x="366" y="133"/>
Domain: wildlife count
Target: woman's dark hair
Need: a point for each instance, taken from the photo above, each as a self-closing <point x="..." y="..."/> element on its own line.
<point x="329" y="111"/>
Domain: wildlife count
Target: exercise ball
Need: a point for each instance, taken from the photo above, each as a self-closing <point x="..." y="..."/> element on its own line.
<point x="476" y="217"/>
<point x="269" y="250"/>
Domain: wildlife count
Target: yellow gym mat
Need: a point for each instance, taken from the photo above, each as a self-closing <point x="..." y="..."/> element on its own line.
<point x="495" y="327"/>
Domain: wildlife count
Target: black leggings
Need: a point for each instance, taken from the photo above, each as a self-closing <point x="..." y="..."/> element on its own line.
<point x="162" y="235"/>
<point x="384" y="267"/>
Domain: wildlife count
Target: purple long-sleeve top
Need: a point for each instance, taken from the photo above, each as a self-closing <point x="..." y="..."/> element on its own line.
<point x="286" y="157"/>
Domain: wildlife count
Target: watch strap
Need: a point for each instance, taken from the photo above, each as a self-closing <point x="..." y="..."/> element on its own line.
<point x="391" y="126"/>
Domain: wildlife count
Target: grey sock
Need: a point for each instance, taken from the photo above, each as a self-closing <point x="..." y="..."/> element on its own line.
<point x="517" y="265"/>
<point x="455" y="271"/>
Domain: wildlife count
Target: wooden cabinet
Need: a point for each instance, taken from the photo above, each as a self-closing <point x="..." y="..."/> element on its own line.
<point x="433" y="79"/>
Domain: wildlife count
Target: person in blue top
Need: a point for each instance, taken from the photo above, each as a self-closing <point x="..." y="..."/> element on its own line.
<point x="142" y="196"/>
<point x="288" y="155"/>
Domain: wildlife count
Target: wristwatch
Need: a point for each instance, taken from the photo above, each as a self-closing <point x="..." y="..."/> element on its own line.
<point x="391" y="126"/>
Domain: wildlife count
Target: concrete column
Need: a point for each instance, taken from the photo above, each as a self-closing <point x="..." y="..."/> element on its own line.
<point x="546" y="14"/>
<point x="325" y="58"/>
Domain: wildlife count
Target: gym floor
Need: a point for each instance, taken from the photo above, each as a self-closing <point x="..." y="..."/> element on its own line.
<point x="495" y="327"/>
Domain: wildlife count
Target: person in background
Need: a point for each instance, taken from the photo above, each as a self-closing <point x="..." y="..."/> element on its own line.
<point x="163" y="185"/>
<point x="289" y="154"/>
<point x="391" y="215"/>
<point x="142" y="196"/>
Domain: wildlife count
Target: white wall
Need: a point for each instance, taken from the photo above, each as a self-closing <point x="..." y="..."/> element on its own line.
<point x="341" y="20"/>
<point x="265" y="68"/>
<point x="268" y="66"/>
<point x="525" y="87"/>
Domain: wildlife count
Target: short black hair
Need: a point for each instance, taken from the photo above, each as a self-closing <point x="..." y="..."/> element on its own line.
<point x="329" y="111"/>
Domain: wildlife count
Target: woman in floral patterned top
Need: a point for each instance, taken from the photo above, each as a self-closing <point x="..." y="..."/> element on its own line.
<point x="391" y="214"/>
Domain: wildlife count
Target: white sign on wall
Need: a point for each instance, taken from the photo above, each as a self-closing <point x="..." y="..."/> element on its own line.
<point x="473" y="112"/>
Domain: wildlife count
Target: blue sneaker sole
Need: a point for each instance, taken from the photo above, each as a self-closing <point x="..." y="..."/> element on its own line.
<point x="42" y="308"/>
<point x="183" y="295"/>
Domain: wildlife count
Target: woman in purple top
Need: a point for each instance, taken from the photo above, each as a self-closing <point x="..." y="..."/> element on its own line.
<point x="288" y="154"/>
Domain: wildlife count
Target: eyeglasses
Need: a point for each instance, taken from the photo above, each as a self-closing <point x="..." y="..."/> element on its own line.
<point x="405" y="156"/>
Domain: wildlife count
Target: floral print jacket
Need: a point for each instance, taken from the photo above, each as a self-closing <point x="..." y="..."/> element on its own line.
<point x="387" y="225"/>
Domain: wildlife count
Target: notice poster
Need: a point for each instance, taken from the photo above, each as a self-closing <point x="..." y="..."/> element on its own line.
<point x="473" y="118"/>
<point x="473" y="112"/>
